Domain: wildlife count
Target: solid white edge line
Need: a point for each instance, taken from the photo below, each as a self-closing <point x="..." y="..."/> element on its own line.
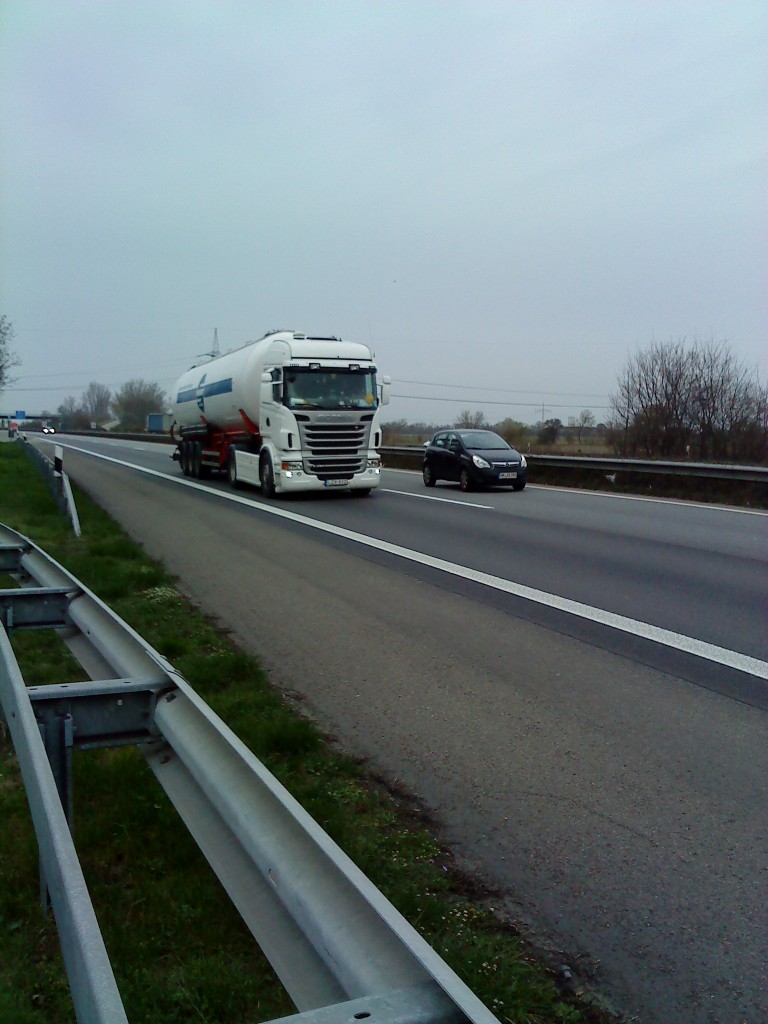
<point x="644" y="630"/>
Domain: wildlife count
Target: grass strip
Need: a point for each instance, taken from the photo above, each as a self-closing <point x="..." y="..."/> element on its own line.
<point x="179" y="950"/>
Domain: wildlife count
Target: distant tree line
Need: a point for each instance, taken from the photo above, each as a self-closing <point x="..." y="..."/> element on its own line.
<point x="697" y="401"/>
<point x="127" y="409"/>
<point x="546" y="432"/>
<point x="672" y="401"/>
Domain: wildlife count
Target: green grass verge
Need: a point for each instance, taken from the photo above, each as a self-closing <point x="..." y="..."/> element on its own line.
<point x="179" y="950"/>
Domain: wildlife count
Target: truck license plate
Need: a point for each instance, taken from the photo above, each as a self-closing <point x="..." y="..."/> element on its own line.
<point x="507" y="476"/>
<point x="336" y="483"/>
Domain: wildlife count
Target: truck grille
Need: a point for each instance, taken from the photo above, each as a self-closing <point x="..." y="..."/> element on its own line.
<point x="335" y="449"/>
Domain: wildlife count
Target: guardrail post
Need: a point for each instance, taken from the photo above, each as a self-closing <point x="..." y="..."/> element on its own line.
<point x="58" y="736"/>
<point x="58" y="481"/>
<point x="95" y="994"/>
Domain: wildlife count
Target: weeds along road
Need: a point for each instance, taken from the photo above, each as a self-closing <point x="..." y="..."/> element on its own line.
<point x="609" y="785"/>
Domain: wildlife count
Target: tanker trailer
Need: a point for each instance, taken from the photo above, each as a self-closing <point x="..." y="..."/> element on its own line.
<point x="286" y="413"/>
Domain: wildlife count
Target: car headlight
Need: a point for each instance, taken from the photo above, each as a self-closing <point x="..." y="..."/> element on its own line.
<point x="480" y="463"/>
<point x="523" y="463"/>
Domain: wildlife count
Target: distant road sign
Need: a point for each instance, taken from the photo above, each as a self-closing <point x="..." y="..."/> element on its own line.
<point x="20" y="414"/>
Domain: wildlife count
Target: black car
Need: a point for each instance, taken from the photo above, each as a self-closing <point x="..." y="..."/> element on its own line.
<point x="475" y="458"/>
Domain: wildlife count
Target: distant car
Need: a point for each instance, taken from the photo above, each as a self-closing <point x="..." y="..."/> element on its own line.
<point x="473" y="458"/>
<point x="48" y="430"/>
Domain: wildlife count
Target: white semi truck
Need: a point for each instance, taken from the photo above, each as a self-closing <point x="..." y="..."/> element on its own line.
<point x="286" y="413"/>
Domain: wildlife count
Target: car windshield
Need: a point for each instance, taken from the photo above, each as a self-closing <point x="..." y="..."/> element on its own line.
<point x="325" y="389"/>
<point x="482" y="440"/>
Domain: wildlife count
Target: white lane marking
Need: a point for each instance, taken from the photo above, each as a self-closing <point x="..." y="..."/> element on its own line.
<point x="644" y="630"/>
<point x="618" y="497"/>
<point x="434" y="497"/>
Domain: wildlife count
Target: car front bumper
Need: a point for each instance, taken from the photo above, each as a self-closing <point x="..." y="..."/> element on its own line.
<point x="498" y="478"/>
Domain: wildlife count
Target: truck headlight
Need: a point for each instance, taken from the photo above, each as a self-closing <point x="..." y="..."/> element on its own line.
<point x="292" y="464"/>
<point x="374" y="463"/>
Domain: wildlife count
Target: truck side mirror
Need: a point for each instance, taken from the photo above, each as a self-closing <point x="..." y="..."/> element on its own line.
<point x="386" y="382"/>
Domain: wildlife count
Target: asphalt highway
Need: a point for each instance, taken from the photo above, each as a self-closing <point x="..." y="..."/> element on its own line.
<point x="575" y="685"/>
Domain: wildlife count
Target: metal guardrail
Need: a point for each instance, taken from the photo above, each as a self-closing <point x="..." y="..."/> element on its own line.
<point x="57" y="479"/>
<point x="338" y="945"/>
<point x="644" y="467"/>
<point x="703" y="470"/>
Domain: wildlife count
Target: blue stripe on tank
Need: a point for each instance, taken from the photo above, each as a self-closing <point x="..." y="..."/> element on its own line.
<point x="219" y="387"/>
<point x="193" y="394"/>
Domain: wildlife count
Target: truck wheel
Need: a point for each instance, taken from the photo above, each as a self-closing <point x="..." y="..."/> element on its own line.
<point x="186" y="468"/>
<point x="267" y="477"/>
<point x="361" y="492"/>
<point x="232" y="472"/>
<point x="197" y="468"/>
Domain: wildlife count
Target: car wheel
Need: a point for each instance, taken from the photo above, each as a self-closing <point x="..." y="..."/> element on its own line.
<point x="267" y="477"/>
<point x="518" y="485"/>
<point x="428" y="474"/>
<point x="465" y="480"/>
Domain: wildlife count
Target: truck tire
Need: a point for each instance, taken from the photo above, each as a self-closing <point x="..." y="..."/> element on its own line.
<point x="267" y="477"/>
<point x="197" y="468"/>
<point x="186" y="468"/>
<point x="234" y="483"/>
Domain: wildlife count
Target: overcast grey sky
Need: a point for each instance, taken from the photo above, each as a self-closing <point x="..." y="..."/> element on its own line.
<point x="505" y="199"/>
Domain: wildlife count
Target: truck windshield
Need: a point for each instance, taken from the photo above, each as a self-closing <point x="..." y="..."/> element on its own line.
<point x="326" y="389"/>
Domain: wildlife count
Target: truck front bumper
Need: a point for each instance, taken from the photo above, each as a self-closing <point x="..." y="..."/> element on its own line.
<point x="290" y="480"/>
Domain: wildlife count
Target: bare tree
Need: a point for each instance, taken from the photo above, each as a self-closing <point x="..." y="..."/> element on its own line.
<point x="135" y="401"/>
<point x="8" y="359"/>
<point x="653" y="399"/>
<point x="674" y="397"/>
<point x="586" y="418"/>
<point x="723" y="395"/>
<point x="470" y="420"/>
<point x="95" y="402"/>
<point x="72" y="415"/>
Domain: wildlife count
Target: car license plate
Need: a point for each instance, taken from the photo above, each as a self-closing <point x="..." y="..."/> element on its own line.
<point x="507" y="476"/>
<point x="336" y="483"/>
